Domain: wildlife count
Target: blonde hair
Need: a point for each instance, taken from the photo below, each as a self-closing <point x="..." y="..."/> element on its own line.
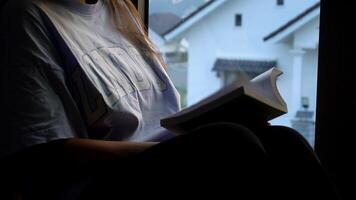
<point x="129" y="23"/>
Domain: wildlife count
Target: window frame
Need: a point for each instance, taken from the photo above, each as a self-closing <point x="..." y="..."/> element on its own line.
<point x="238" y="20"/>
<point x="328" y="141"/>
<point x="143" y="8"/>
<point x="280" y="2"/>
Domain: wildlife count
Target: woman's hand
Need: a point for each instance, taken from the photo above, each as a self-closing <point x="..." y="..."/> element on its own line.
<point x="91" y="150"/>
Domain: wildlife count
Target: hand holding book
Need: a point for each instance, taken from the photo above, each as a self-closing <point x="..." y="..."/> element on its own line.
<point x="247" y="102"/>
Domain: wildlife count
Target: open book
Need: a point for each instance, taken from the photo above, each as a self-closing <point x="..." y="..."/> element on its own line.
<point x="247" y="102"/>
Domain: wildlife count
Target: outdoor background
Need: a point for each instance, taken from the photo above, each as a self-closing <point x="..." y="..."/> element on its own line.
<point x="208" y="43"/>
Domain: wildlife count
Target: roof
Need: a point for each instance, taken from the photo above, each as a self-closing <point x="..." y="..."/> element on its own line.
<point x="180" y="8"/>
<point x="251" y="67"/>
<point x="211" y="5"/>
<point x="292" y="22"/>
<point x="193" y="17"/>
<point x="162" y="22"/>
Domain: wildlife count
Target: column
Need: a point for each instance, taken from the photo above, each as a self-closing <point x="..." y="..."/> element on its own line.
<point x="298" y="54"/>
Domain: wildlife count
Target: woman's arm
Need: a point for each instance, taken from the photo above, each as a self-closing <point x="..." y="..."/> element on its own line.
<point x="84" y="150"/>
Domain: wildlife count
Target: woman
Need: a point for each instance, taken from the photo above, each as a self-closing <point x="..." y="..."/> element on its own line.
<point x="85" y="89"/>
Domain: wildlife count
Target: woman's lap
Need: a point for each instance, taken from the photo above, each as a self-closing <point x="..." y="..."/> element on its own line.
<point x="216" y="158"/>
<point x="294" y="162"/>
<point x="263" y="160"/>
<point x="222" y="158"/>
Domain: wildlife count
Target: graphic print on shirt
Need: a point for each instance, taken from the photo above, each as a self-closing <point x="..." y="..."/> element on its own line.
<point x="92" y="103"/>
<point x="108" y="75"/>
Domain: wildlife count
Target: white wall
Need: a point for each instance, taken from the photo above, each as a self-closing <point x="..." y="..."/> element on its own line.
<point x="308" y="36"/>
<point x="216" y="36"/>
<point x="157" y="39"/>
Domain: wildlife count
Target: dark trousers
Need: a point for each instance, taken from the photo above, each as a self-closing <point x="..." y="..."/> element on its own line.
<point x="221" y="160"/>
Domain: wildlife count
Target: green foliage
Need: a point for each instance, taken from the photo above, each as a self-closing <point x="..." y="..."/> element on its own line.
<point x="183" y="96"/>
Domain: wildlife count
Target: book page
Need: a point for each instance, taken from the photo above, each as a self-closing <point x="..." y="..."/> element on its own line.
<point x="265" y="86"/>
<point x="262" y="89"/>
<point x="214" y="97"/>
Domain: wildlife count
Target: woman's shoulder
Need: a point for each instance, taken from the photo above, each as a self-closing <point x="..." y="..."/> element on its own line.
<point x="20" y="11"/>
<point x="20" y="6"/>
<point x="21" y="19"/>
<point x="24" y="37"/>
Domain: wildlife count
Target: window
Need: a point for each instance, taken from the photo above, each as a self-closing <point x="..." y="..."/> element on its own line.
<point x="238" y="20"/>
<point x="205" y="54"/>
<point x="280" y="2"/>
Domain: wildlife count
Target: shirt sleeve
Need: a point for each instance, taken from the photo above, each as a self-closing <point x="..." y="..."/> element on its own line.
<point x="33" y="111"/>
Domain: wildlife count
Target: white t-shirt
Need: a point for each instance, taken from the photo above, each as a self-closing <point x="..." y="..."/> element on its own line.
<point x="79" y="78"/>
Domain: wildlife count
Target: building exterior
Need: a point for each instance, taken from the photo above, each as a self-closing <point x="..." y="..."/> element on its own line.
<point x="221" y="38"/>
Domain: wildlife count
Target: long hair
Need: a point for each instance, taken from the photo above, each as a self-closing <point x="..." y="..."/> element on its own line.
<point x="129" y="23"/>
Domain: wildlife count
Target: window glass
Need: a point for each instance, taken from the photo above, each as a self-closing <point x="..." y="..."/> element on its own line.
<point x="205" y="50"/>
<point x="238" y="20"/>
<point x="280" y="2"/>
